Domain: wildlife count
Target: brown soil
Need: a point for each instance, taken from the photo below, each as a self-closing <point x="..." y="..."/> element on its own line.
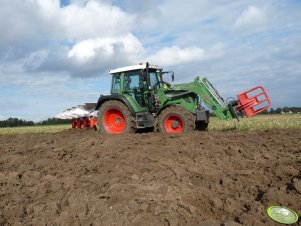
<point x="80" y="177"/>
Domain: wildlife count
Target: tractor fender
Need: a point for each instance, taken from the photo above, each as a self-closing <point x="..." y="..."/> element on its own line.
<point x="162" y="108"/>
<point x="122" y="99"/>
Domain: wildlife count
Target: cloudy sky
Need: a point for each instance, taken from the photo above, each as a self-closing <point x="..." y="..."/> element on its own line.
<point x="56" y="54"/>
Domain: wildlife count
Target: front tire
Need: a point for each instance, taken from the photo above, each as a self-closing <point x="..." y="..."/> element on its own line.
<point x="175" y="119"/>
<point x="114" y="117"/>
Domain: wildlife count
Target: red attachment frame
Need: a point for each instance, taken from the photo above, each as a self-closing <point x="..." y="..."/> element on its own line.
<point x="75" y="123"/>
<point x="253" y="101"/>
<point x="85" y="122"/>
<point x="93" y="121"/>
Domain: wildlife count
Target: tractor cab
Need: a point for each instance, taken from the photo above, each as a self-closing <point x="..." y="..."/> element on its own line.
<point x="139" y="81"/>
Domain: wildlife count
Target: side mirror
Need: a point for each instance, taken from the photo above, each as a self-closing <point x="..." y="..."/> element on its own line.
<point x="169" y="72"/>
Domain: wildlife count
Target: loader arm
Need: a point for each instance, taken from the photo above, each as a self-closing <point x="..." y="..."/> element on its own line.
<point x="210" y="96"/>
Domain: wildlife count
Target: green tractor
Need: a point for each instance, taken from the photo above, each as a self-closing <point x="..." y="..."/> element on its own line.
<point x="141" y="99"/>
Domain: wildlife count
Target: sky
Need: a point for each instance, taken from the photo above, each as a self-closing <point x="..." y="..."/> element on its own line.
<point x="55" y="54"/>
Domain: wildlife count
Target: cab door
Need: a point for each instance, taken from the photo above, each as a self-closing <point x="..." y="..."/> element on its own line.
<point x="153" y="85"/>
<point x="135" y="85"/>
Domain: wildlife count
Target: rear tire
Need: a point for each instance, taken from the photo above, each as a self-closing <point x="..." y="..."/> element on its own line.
<point x="114" y="117"/>
<point x="175" y="119"/>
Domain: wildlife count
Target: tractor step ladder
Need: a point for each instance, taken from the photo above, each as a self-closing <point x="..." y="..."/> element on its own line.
<point x="253" y="101"/>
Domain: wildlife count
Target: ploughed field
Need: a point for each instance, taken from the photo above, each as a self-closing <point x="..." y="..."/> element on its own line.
<point x="82" y="177"/>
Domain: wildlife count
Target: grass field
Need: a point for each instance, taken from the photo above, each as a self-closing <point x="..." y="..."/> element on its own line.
<point x="34" y="129"/>
<point x="260" y="122"/>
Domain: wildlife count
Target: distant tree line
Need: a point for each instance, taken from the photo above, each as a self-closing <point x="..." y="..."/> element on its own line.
<point x="16" y="122"/>
<point x="54" y="121"/>
<point x="283" y="110"/>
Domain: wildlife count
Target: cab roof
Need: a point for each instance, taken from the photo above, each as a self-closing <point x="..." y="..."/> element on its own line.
<point x="134" y="67"/>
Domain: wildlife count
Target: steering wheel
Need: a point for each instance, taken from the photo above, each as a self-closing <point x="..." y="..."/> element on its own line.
<point x="155" y="87"/>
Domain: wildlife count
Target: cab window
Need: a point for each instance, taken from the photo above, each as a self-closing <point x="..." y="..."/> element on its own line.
<point x="132" y="80"/>
<point x="115" y="84"/>
<point x="153" y="78"/>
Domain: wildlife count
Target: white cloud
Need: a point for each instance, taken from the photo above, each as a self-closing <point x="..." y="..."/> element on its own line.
<point x="106" y="48"/>
<point x="175" y="55"/>
<point x="47" y="20"/>
<point x="252" y="17"/>
<point x="42" y="36"/>
<point x="93" y="20"/>
<point x="35" y="59"/>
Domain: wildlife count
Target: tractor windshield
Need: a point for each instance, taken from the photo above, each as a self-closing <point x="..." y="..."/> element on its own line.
<point x="153" y="78"/>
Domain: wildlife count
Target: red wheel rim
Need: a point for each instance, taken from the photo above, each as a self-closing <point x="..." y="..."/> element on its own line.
<point x="173" y="124"/>
<point x="114" y="121"/>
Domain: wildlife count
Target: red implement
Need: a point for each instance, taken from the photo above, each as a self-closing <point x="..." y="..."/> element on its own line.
<point x="76" y="123"/>
<point x="93" y="121"/>
<point x="253" y="101"/>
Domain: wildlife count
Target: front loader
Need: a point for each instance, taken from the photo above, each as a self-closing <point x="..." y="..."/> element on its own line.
<point x="141" y="99"/>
